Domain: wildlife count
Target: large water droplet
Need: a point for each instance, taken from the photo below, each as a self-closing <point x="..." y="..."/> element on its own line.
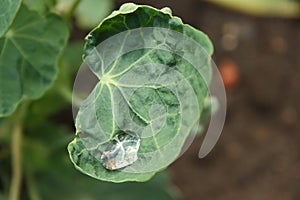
<point x="121" y="151"/>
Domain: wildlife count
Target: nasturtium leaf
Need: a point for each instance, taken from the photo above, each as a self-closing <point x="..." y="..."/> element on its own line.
<point x="153" y="73"/>
<point x="8" y="11"/>
<point x="29" y="53"/>
<point x="60" y="94"/>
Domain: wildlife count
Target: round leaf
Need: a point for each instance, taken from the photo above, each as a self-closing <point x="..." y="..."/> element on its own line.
<point x="28" y="57"/>
<point x="153" y="73"/>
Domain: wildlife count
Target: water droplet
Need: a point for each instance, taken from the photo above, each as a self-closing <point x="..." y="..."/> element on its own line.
<point x="121" y="151"/>
<point x="90" y="39"/>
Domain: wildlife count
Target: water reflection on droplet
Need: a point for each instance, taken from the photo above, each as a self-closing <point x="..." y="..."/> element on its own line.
<point x="121" y="151"/>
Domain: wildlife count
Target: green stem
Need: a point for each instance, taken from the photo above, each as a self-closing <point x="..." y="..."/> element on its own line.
<point x="16" y="146"/>
<point x="72" y="9"/>
<point x="16" y="163"/>
<point x="32" y="189"/>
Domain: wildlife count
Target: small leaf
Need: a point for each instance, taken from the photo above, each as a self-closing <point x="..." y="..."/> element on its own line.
<point x="153" y="73"/>
<point x="90" y="12"/>
<point x="8" y="10"/>
<point x="76" y="187"/>
<point x="37" y="5"/>
<point x="28" y="57"/>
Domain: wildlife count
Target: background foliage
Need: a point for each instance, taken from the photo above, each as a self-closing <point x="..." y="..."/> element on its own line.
<point x="38" y="61"/>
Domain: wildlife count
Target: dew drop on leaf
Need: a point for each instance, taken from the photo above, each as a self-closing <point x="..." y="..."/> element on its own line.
<point x="121" y="151"/>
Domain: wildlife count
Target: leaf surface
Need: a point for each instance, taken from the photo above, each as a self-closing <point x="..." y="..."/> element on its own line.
<point x="8" y="10"/>
<point x="153" y="73"/>
<point x="28" y="57"/>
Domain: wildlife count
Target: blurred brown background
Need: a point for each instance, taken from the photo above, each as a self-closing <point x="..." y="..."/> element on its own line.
<point x="258" y="154"/>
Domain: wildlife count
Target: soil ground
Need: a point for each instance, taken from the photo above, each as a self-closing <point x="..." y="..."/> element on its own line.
<point x="258" y="154"/>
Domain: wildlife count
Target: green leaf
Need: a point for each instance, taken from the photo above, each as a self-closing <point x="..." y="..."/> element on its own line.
<point x="152" y="81"/>
<point x="54" y="176"/>
<point x="49" y="174"/>
<point x="37" y="5"/>
<point x="41" y="6"/>
<point x="71" y="58"/>
<point x="61" y="187"/>
<point x="60" y="95"/>
<point x="211" y="105"/>
<point x="90" y="12"/>
<point x="44" y="145"/>
<point x="8" y="10"/>
<point x="88" y="164"/>
<point x="28" y="57"/>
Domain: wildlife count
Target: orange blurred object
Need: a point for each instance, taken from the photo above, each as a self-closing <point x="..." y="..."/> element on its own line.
<point x="230" y="73"/>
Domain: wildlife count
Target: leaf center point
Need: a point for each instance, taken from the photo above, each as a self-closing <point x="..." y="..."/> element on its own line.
<point x="9" y="34"/>
<point x="106" y="79"/>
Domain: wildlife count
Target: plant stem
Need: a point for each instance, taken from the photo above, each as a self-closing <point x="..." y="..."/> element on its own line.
<point x="16" y="146"/>
<point x="72" y="9"/>
<point x="32" y="189"/>
<point x="16" y="163"/>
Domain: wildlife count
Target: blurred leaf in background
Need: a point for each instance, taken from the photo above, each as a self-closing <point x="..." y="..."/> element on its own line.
<point x="60" y="95"/>
<point x="267" y="8"/>
<point x="29" y="55"/>
<point x="91" y="12"/>
<point x="50" y="175"/>
<point x="41" y="6"/>
<point x="88" y="13"/>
